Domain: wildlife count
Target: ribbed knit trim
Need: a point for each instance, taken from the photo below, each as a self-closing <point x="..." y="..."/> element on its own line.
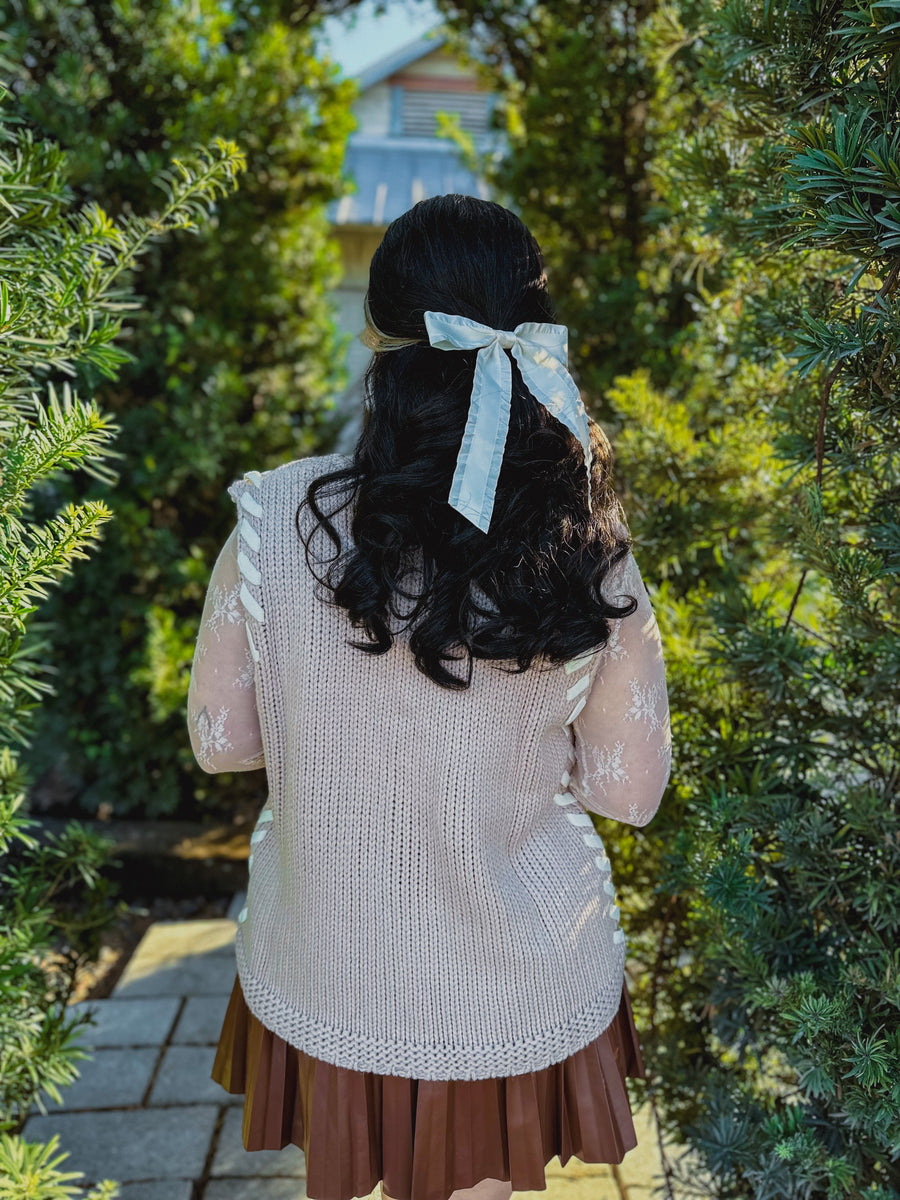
<point x="412" y="1060"/>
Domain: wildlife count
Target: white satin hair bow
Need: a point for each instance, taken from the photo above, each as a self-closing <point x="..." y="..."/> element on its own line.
<point x="541" y="351"/>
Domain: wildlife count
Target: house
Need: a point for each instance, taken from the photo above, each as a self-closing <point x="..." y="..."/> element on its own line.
<point x="396" y="159"/>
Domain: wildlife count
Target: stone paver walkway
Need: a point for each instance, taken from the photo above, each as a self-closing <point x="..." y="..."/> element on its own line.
<point x="144" y="1110"/>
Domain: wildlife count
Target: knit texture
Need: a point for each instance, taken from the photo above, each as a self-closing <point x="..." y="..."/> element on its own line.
<point x="426" y="897"/>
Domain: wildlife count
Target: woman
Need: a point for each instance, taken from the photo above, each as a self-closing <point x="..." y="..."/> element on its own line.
<point x="442" y="653"/>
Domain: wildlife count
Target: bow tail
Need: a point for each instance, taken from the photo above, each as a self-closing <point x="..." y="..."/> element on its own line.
<point x="481" y="454"/>
<point x="551" y="384"/>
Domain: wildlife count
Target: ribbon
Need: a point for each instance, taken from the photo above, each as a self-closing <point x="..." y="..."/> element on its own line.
<point x="541" y="352"/>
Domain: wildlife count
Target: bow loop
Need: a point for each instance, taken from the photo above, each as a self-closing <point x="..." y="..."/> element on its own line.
<point x="446" y="332"/>
<point x="541" y="352"/>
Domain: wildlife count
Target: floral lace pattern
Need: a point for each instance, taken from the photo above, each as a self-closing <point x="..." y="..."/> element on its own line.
<point x="245" y="677"/>
<point x="623" y="738"/>
<point x="211" y="732"/>
<point x="645" y="699"/>
<point x="607" y="766"/>
<point x="225" y="607"/>
<point x="223" y="721"/>
<point x="613" y="651"/>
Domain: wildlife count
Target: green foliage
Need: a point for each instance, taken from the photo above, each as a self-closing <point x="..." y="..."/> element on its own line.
<point x="583" y="109"/>
<point x="787" y="861"/>
<point x="28" y="1171"/>
<point x="698" y="479"/>
<point x="59" y="311"/>
<point x="235" y="355"/>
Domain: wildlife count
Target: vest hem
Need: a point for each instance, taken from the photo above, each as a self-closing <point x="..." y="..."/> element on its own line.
<point x="410" y="1060"/>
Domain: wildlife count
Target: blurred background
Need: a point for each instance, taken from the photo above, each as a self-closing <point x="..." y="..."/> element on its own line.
<point x="191" y="195"/>
<point x="406" y="72"/>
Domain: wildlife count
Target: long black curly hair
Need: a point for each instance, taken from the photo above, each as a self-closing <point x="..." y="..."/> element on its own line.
<point x="541" y="563"/>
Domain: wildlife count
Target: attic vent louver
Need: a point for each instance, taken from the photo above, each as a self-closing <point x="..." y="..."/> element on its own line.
<point x="419" y="108"/>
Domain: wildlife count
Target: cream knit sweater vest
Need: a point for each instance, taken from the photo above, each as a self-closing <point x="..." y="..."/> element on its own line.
<point x="425" y="899"/>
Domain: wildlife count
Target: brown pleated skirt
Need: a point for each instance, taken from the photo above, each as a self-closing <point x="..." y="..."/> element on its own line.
<point x="424" y="1138"/>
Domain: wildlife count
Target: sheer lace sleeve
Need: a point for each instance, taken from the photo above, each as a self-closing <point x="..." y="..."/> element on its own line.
<point x="623" y="741"/>
<point x="222" y="718"/>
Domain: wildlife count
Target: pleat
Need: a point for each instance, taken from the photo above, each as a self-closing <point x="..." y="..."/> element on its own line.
<point x="590" y="1104"/>
<point x="475" y="1134"/>
<point x="369" y="1121"/>
<point x="634" y="1060"/>
<point x="612" y="1135"/>
<point x="300" y="1126"/>
<point x="427" y="1138"/>
<point x="276" y="1084"/>
<point x="398" y="1128"/>
<point x="253" y="1128"/>
<point x="430" y="1168"/>
<point x="329" y="1170"/>
<point x="482" y="1140"/>
<point x="525" y="1105"/>
<point x="229" y="1065"/>
<point x="567" y="1137"/>
<point x="361" y="1118"/>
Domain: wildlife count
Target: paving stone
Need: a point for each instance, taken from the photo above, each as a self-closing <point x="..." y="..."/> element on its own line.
<point x="181" y="958"/>
<point x="201" y="1019"/>
<point x="109" y="1079"/>
<point x="194" y="975"/>
<point x="179" y="939"/>
<point x="170" y="1189"/>
<point x="159" y="1189"/>
<point x="184" y="1078"/>
<point x="126" y="1022"/>
<point x="237" y="903"/>
<point x="263" y="1189"/>
<point x="565" y="1188"/>
<point x="232" y="1159"/>
<point x="574" y="1189"/>
<point x="641" y="1167"/>
<point x="576" y="1169"/>
<point x="130" y="1144"/>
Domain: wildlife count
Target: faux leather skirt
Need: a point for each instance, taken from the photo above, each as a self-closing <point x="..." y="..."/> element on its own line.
<point x="425" y="1138"/>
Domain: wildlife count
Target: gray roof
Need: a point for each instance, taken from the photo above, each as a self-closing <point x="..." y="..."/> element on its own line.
<point x="392" y="174"/>
<point x="400" y="58"/>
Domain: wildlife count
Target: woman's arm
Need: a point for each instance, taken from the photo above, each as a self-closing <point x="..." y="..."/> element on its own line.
<point x="623" y="740"/>
<point x="222" y="716"/>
